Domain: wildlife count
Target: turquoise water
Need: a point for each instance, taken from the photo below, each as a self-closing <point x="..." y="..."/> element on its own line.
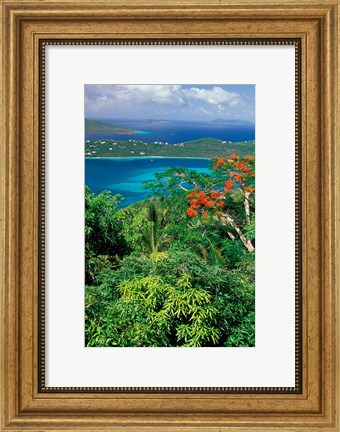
<point x="143" y="132"/>
<point x="125" y="176"/>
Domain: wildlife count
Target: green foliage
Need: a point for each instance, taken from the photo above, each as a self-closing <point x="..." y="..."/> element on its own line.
<point x="147" y="310"/>
<point x="156" y="277"/>
<point x="104" y="242"/>
<point x="133" y="227"/>
<point x="145" y="228"/>
<point x="172" y="298"/>
<point x="102" y="229"/>
<point x="155" y="236"/>
<point x="237" y="307"/>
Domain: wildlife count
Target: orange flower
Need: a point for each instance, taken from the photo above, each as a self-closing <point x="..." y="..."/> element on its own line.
<point x="203" y="199"/>
<point x="228" y="185"/>
<point x="205" y="214"/>
<point x="219" y="162"/>
<point x="249" y="189"/>
<point x="194" y="203"/>
<point x="214" y="194"/>
<point x="239" y="178"/>
<point x="233" y="156"/>
<point x="241" y="166"/>
<point x="220" y="204"/>
<point x="218" y="212"/>
<point x="191" y="212"/>
<point x="209" y="203"/>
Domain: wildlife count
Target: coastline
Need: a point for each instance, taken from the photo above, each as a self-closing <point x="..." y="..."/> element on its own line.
<point x="112" y="133"/>
<point x="135" y="132"/>
<point x="146" y="157"/>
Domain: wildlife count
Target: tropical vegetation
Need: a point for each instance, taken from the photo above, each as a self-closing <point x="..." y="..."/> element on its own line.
<point x="176" y="269"/>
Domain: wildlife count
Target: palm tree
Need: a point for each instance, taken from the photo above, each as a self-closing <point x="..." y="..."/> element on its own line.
<point x="156" y="238"/>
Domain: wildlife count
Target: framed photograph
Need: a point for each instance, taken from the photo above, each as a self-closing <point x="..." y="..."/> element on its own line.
<point x="169" y="236"/>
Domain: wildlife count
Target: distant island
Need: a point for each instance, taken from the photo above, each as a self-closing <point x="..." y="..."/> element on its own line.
<point x="157" y="121"/>
<point x="231" y="122"/>
<point x="199" y="148"/>
<point x="93" y="126"/>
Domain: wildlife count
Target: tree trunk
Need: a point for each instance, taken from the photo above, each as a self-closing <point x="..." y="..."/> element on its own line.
<point x="226" y="219"/>
<point x="246" y="206"/>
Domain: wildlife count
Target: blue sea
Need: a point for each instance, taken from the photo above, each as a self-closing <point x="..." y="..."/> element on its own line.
<point x="125" y="175"/>
<point x="177" y="131"/>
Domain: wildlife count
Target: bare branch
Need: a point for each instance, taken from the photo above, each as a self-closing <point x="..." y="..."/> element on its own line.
<point x="231" y="236"/>
<point x="183" y="188"/>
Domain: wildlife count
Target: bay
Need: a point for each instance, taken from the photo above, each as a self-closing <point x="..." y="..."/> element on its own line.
<point x="125" y="176"/>
<point x="177" y="131"/>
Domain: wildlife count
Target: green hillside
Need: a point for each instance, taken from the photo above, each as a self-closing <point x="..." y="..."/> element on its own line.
<point x="93" y="126"/>
<point x="203" y="147"/>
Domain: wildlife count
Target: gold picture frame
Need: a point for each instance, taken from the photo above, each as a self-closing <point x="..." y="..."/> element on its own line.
<point x="27" y="27"/>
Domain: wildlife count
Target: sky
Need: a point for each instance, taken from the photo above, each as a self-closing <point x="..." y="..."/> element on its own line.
<point x="170" y="102"/>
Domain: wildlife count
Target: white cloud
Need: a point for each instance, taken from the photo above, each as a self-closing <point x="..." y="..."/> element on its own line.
<point x="149" y="100"/>
<point x="215" y="96"/>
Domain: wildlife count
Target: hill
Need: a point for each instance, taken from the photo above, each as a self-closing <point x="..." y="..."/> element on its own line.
<point x="93" y="126"/>
<point x="200" y="148"/>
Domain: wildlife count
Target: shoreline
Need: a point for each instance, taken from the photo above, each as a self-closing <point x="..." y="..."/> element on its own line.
<point x="112" y="133"/>
<point x="135" y="132"/>
<point x="146" y="157"/>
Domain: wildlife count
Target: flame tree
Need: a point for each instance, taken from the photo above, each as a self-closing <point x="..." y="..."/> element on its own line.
<point x="212" y="199"/>
<point x="226" y="195"/>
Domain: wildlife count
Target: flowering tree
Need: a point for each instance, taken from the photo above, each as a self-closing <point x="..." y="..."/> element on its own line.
<point x="232" y="173"/>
